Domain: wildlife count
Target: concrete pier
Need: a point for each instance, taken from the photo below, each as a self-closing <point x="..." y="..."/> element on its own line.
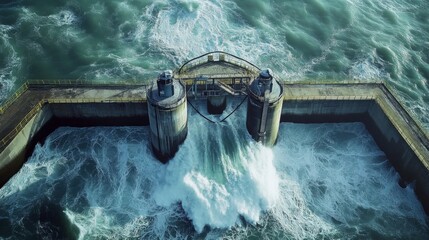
<point x="167" y="116"/>
<point x="264" y="108"/>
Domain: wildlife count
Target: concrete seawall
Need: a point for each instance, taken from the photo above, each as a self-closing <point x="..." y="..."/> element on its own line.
<point x="394" y="130"/>
<point x="100" y="114"/>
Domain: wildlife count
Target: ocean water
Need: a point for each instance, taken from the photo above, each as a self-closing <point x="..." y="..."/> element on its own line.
<point x="319" y="181"/>
<point x="134" y="39"/>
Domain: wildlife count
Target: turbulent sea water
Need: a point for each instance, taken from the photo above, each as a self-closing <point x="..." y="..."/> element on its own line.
<point x="319" y="181"/>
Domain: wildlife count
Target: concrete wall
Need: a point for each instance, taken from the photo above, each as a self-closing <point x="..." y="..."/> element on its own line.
<point x="319" y="111"/>
<point x="398" y="152"/>
<point x="100" y="114"/>
<point x="15" y="154"/>
<point x="255" y="120"/>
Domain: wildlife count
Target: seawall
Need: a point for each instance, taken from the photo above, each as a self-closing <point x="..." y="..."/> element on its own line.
<point x="41" y="109"/>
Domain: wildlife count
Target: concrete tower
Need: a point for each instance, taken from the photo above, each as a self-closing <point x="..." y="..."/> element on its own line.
<point x="167" y="115"/>
<point x="264" y="108"/>
<point x="216" y="104"/>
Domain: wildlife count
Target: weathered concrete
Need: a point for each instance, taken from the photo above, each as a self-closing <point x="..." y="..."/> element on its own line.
<point x="264" y="109"/>
<point x="323" y="111"/>
<point x="216" y="104"/>
<point x="168" y="120"/>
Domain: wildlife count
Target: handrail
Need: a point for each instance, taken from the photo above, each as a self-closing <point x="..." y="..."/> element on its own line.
<point x="392" y="91"/>
<point x="94" y="100"/>
<point x="385" y="108"/>
<point x="62" y="82"/>
<point x="85" y="82"/>
<point x="330" y="82"/>
<point x="216" y="76"/>
<point x="331" y="97"/>
<point x="12" y="134"/>
<point x="12" y="99"/>
<point x="218" y="52"/>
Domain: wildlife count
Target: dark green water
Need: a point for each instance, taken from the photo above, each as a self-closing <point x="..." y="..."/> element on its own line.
<point x="135" y="39"/>
<point x="107" y="185"/>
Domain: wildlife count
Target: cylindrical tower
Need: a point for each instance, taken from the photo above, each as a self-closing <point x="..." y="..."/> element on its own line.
<point x="264" y="108"/>
<point x="168" y="118"/>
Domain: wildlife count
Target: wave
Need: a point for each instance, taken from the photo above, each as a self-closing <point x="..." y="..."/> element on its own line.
<point x="321" y="180"/>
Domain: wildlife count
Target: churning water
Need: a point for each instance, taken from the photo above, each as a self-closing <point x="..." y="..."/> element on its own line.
<point x="319" y="181"/>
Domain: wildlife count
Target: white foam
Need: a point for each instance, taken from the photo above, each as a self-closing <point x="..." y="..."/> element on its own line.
<point x="215" y="189"/>
<point x="366" y="70"/>
<point x="8" y="73"/>
<point x="189" y="28"/>
<point x="94" y="222"/>
<point x="63" y="18"/>
<point x="319" y="180"/>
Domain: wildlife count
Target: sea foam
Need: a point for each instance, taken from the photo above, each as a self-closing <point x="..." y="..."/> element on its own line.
<point x="320" y="180"/>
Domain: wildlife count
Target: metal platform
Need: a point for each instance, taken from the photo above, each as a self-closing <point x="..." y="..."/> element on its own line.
<point x="217" y="73"/>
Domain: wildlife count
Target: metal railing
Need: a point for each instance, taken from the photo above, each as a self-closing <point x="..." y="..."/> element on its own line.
<point x="331" y="82"/>
<point x="217" y="56"/>
<point x="18" y="128"/>
<point x="392" y="91"/>
<point x="80" y="82"/>
<point x="191" y="77"/>
<point x="12" y="98"/>
<point x="310" y="98"/>
<point x="63" y="82"/>
<point x="388" y="86"/>
<point x="84" y="82"/>
<point x="95" y="100"/>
